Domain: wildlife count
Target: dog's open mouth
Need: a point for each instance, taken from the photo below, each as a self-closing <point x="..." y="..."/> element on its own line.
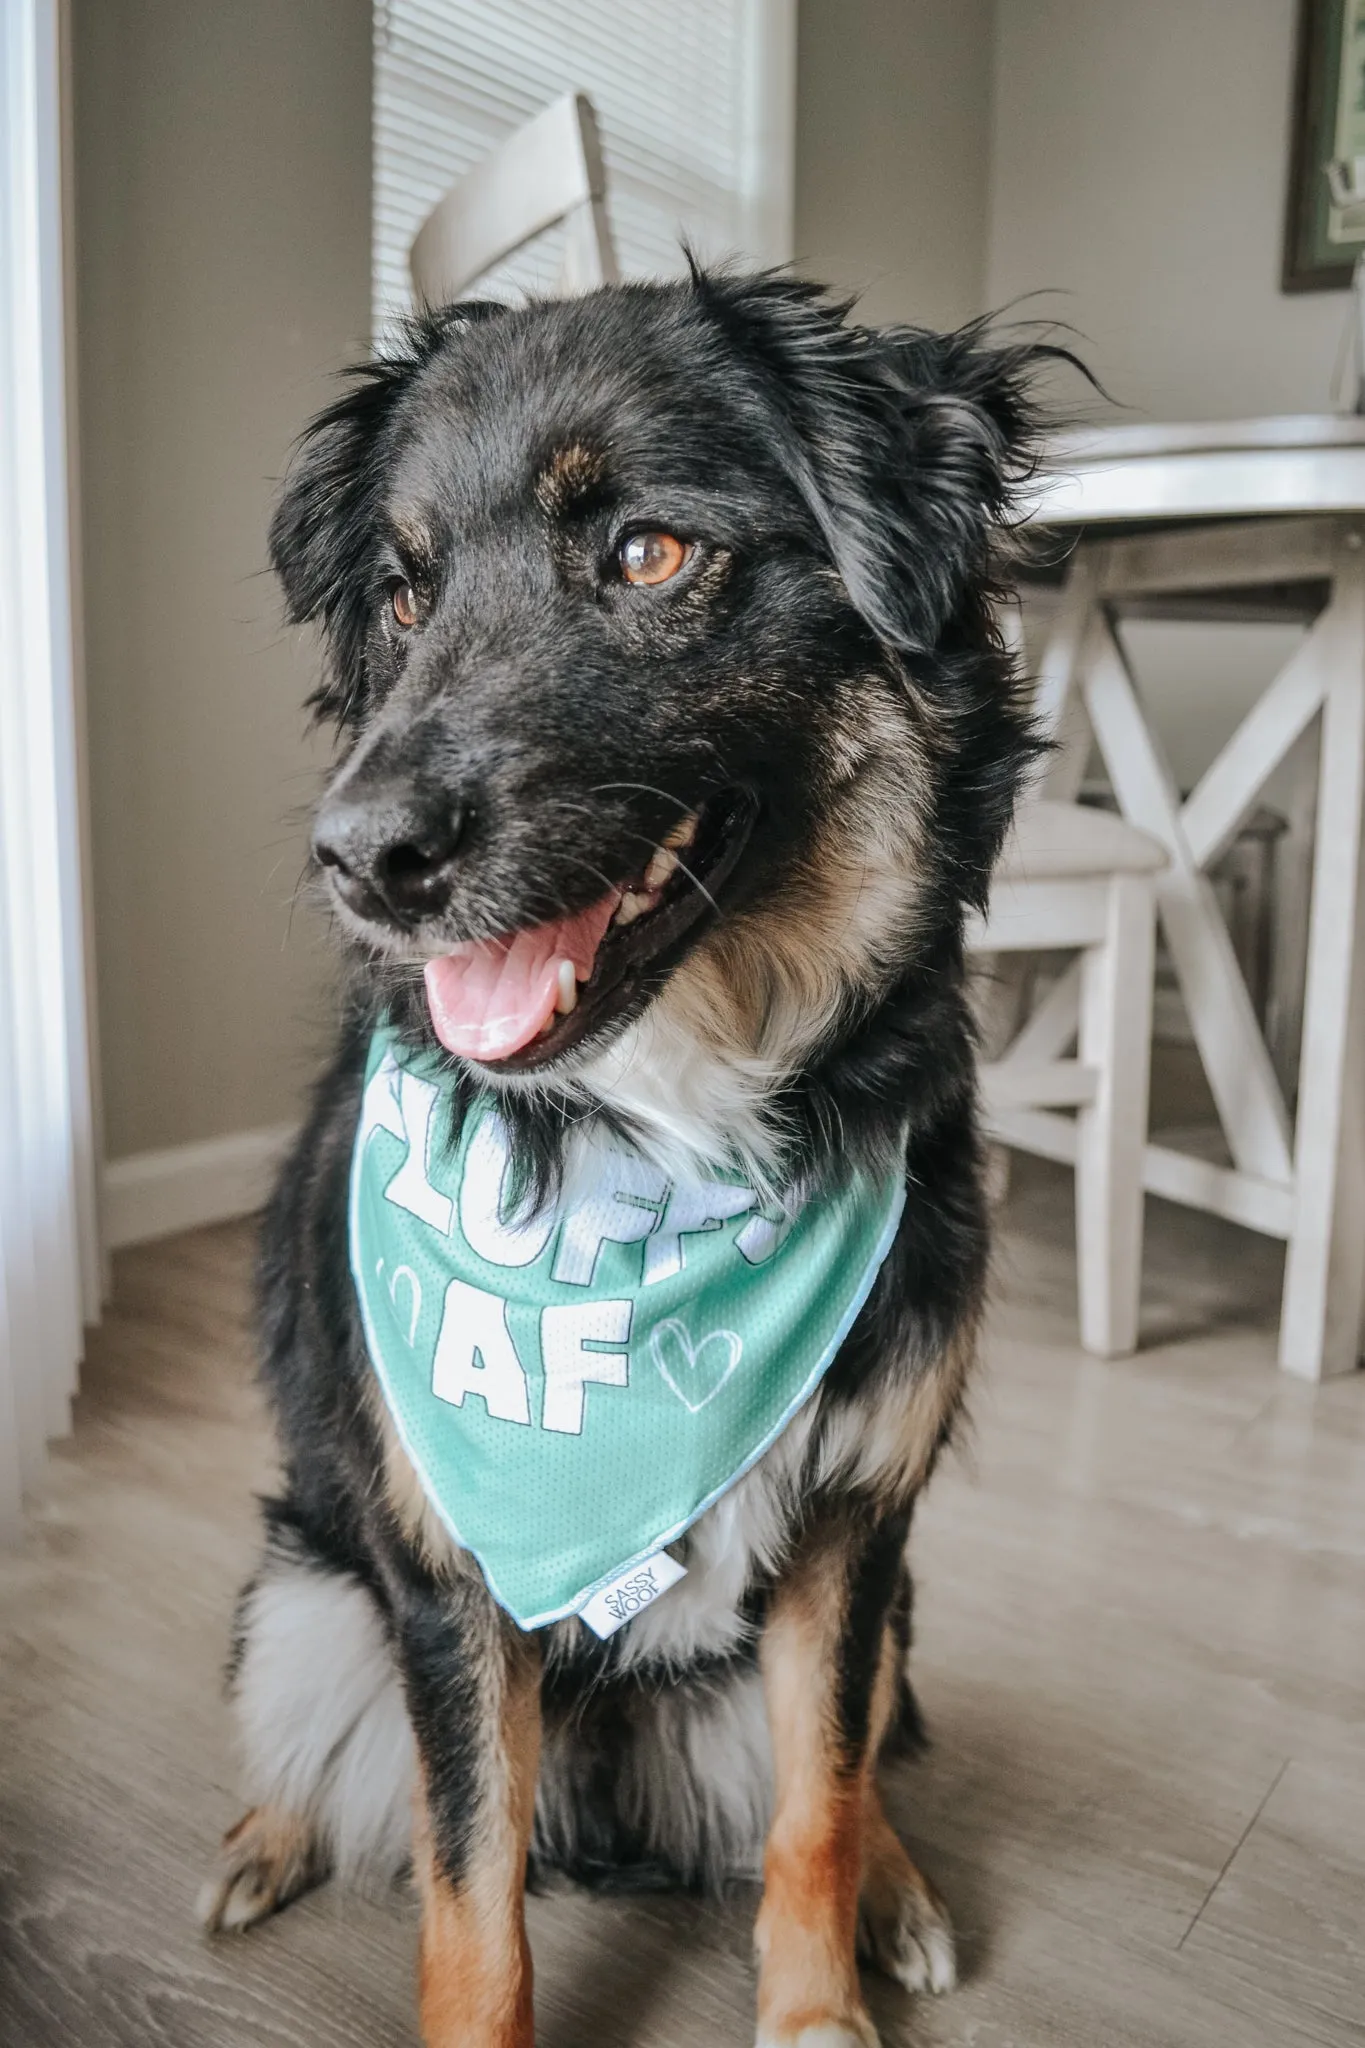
<point x="523" y="998"/>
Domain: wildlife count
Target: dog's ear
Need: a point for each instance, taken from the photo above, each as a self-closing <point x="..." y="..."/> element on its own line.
<point x="326" y="523"/>
<point x="323" y="532"/>
<point x="909" y="447"/>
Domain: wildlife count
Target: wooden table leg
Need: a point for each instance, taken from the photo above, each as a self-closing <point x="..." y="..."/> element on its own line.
<point x="1324" y="1293"/>
<point x="1308" y="1187"/>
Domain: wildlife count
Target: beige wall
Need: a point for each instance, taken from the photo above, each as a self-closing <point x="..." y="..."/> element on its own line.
<point x="1128" y="159"/>
<point x="1139" y="161"/>
<point x="223" y="248"/>
<point x="892" y="153"/>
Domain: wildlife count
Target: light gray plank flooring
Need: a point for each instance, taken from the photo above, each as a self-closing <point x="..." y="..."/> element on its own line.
<point x="1141" y="1647"/>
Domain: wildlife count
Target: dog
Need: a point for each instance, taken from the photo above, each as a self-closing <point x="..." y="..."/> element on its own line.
<point x="677" y="741"/>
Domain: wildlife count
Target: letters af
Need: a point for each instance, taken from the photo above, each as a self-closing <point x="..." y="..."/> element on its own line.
<point x="583" y="1342"/>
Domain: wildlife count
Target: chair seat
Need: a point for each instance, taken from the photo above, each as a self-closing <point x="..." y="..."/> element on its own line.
<point x="1054" y="842"/>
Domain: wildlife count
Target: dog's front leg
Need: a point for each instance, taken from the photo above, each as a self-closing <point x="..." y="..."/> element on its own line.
<point x="823" y="1669"/>
<point x="473" y="1689"/>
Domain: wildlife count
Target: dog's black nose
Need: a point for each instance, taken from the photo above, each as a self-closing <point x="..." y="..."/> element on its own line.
<point x="392" y="859"/>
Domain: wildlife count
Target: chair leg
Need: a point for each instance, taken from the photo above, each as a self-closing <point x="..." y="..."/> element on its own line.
<point x="999" y="996"/>
<point x="1115" y="1040"/>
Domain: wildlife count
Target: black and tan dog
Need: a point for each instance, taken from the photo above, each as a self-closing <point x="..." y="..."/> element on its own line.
<point x="681" y="593"/>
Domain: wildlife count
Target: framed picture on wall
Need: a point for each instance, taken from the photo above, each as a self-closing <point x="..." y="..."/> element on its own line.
<point x="1325" y="217"/>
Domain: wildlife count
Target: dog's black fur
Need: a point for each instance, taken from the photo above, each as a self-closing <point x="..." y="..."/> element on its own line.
<point x="849" y="493"/>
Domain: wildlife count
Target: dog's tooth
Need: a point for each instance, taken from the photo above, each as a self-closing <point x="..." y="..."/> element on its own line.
<point x="660" y="868"/>
<point x="683" y="833"/>
<point x="630" y="909"/>
<point x="567" y="996"/>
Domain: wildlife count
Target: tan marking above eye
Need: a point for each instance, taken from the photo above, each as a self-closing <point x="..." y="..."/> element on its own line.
<point x="652" y="557"/>
<point x="404" y="602"/>
<point x="568" y="477"/>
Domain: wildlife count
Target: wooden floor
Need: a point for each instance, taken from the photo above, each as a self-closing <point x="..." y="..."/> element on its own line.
<point x="1142" y="1652"/>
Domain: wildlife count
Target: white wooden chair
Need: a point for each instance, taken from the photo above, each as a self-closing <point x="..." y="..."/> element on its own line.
<point x="549" y="171"/>
<point x="1082" y="880"/>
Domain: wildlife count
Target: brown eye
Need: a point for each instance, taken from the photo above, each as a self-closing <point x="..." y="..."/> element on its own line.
<point x="652" y="557"/>
<point x="404" y="602"/>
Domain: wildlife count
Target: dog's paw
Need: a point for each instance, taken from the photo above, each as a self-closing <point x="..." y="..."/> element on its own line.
<point x="904" y="1931"/>
<point x="853" y="2031"/>
<point x="266" y="1860"/>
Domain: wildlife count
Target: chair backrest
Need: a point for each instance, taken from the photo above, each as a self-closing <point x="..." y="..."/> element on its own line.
<point x="549" y="171"/>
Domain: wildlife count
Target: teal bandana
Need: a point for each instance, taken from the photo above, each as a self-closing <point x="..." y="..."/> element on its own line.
<point x="574" y="1388"/>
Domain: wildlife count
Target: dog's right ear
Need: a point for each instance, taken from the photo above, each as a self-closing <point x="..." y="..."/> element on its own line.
<point x="325" y="530"/>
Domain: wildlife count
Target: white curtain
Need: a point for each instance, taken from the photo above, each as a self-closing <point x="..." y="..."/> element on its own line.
<point x="49" y="1266"/>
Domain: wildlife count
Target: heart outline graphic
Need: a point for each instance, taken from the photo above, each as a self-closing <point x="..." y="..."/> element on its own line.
<point x="404" y="1273"/>
<point x="677" y="1332"/>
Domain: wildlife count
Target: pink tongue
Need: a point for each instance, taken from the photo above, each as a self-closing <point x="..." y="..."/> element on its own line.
<point x="490" y="997"/>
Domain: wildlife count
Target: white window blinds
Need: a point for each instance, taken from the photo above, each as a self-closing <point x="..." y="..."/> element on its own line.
<point x="694" y="104"/>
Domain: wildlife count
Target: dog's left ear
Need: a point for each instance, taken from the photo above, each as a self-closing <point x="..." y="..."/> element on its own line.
<point x="909" y="447"/>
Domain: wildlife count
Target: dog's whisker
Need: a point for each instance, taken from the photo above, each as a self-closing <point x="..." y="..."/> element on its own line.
<point x="698" y="885"/>
<point x="307" y="874"/>
<point x="644" y="789"/>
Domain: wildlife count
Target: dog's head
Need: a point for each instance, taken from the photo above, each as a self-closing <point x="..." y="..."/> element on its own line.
<point x="658" y="636"/>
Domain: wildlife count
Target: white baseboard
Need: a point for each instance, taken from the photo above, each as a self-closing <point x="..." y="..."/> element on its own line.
<point x="155" y="1194"/>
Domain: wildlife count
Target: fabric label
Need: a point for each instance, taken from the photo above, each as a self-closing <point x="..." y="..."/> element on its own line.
<point x="619" y="1602"/>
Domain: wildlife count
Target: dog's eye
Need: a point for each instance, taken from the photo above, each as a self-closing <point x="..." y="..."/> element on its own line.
<point x="652" y="557"/>
<point x="403" y="598"/>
